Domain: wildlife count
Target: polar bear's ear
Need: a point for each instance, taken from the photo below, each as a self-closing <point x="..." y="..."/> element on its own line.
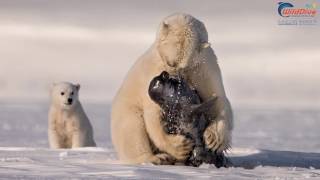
<point x="77" y="87"/>
<point x="164" y="30"/>
<point x="52" y="87"/>
<point x="165" y="25"/>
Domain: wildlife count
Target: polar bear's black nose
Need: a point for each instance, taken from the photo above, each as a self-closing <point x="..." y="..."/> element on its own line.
<point x="69" y="100"/>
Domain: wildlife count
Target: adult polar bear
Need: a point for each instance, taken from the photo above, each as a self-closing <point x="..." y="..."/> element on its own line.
<point x="181" y="48"/>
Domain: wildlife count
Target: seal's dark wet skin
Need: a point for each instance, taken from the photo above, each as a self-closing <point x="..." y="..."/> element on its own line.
<point x="183" y="113"/>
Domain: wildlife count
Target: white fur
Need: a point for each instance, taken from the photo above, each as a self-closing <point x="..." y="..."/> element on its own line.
<point x="181" y="48"/>
<point x="69" y="126"/>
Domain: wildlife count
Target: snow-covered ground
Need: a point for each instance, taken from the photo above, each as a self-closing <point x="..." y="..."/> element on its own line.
<point x="268" y="144"/>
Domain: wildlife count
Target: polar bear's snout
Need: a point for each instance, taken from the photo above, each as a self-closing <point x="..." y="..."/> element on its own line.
<point x="70" y="101"/>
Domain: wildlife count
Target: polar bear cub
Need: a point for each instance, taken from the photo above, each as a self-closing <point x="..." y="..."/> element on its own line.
<point x="69" y="126"/>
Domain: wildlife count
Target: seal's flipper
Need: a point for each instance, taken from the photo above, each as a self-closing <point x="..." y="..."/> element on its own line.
<point x="200" y="108"/>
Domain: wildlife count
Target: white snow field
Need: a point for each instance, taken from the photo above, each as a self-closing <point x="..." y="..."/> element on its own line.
<point x="267" y="144"/>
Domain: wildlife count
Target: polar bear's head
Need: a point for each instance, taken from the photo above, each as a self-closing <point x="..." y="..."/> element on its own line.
<point x="65" y="95"/>
<point x="180" y="37"/>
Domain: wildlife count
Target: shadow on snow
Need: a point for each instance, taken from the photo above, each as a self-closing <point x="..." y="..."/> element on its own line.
<point x="278" y="159"/>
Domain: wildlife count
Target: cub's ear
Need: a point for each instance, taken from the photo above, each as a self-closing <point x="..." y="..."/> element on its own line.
<point x="164" y="75"/>
<point x="77" y="87"/>
<point x="52" y="86"/>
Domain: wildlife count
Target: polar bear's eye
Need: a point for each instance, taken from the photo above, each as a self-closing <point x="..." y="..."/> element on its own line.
<point x="72" y="93"/>
<point x="62" y="93"/>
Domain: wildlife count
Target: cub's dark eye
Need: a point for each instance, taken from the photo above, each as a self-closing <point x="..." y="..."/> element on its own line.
<point x="62" y="93"/>
<point x="72" y="93"/>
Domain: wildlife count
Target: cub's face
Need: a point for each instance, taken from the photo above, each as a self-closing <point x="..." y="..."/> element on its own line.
<point x="65" y="95"/>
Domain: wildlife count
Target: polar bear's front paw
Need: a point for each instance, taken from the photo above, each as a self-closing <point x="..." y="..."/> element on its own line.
<point x="216" y="138"/>
<point x="163" y="159"/>
<point x="211" y="138"/>
<point x="180" y="146"/>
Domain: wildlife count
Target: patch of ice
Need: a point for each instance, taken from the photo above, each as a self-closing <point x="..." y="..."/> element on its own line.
<point x="15" y="159"/>
<point x="206" y="166"/>
<point x="89" y="149"/>
<point x="243" y="151"/>
<point x="6" y="127"/>
<point x="63" y="155"/>
<point x="18" y="149"/>
<point x="306" y="176"/>
<point x="124" y="173"/>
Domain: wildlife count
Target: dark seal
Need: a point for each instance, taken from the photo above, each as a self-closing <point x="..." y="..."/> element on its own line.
<point x="183" y="113"/>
